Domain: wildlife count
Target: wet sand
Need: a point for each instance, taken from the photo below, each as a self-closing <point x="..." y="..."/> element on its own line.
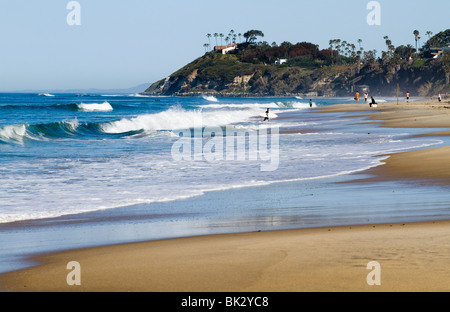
<point x="412" y="257"/>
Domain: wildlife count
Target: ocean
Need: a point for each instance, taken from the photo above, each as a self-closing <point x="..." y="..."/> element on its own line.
<point x="87" y="169"/>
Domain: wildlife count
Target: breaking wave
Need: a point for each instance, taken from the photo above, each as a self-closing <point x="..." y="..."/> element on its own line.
<point x="261" y="106"/>
<point x="210" y="98"/>
<point x="179" y="119"/>
<point x="95" y="107"/>
<point x="170" y="120"/>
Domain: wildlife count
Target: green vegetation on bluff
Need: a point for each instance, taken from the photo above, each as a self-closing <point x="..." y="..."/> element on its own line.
<point x="260" y="69"/>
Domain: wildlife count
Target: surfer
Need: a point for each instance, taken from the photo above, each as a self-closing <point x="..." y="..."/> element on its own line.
<point x="267" y="115"/>
<point x="310" y="103"/>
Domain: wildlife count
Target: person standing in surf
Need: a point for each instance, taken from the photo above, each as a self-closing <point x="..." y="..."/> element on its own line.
<point x="310" y="103"/>
<point x="267" y="115"/>
<point x="357" y="97"/>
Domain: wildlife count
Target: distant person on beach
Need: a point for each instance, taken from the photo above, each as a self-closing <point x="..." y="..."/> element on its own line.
<point x="439" y="98"/>
<point x="310" y="103"/>
<point x="372" y="102"/>
<point x="267" y="115"/>
<point x="357" y="97"/>
<point x="366" y="97"/>
<point x="407" y="97"/>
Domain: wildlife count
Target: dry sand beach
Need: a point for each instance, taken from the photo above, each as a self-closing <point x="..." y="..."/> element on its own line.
<point x="413" y="256"/>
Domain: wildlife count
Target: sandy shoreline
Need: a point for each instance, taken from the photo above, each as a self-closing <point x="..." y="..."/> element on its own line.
<point x="413" y="256"/>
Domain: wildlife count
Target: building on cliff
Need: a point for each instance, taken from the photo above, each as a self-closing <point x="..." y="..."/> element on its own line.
<point x="281" y="61"/>
<point x="226" y="49"/>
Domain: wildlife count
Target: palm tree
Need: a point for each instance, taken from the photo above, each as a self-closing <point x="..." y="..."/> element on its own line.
<point x="221" y="38"/>
<point x="360" y="42"/>
<point x="230" y="36"/>
<point x="358" y="61"/>
<point x="338" y="47"/>
<point x="429" y="34"/>
<point x="215" y="36"/>
<point x="353" y="47"/>
<point x="206" y="45"/>
<point x="416" y="35"/>
<point x="240" y="36"/>
<point x="331" y="49"/>
<point x="209" y="38"/>
<point x="345" y="47"/>
<point x="387" y="41"/>
<point x="389" y="45"/>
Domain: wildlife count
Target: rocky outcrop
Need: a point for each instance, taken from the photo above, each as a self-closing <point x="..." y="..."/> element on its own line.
<point x="226" y="75"/>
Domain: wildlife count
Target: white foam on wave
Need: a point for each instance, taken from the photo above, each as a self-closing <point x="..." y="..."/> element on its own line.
<point x="72" y="124"/>
<point x="262" y="106"/>
<point x="179" y="119"/>
<point x="240" y="106"/>
<point x="47" y="94"/>
<point x="210" y="98"/>
<point x="138" y="95"/>
<point x="77" y="187"/>
<point x="95" y="107"/>
<point x="300" y="105"/>
<point x="13" y="134"/>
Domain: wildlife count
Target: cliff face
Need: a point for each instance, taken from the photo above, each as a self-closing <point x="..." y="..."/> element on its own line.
<point x="227" y="75"/>
<point x="422" y="78"/>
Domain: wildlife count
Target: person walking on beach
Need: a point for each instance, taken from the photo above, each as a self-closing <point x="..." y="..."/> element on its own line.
<point x="407" y="97"/>
<point x="372" y="102"/>
<point x="366" y="97"/>
<point x="357" y="97"/>
<point x="439" y="98"/>
<point x="267" y="115"/>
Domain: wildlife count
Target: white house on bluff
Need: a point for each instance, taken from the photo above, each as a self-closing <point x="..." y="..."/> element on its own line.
<point x="281" y="61"/>
<point x="226" y="49"/>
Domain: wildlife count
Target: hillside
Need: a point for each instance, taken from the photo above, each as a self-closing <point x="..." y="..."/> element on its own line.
<point x="251" y="70"/>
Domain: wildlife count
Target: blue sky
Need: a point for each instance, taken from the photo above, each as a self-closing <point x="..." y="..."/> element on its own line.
<point x="121" y="44"/>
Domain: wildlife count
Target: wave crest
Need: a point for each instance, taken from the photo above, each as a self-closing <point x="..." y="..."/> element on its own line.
<point x="95" y="107"/>
<point x="179" y="119"/>
<point x="13" y="134"/>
